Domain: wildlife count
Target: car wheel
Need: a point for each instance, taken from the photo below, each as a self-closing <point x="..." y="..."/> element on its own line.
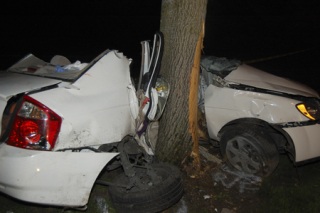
<point x="155" y="192"/>
<point x="249" y="149"/>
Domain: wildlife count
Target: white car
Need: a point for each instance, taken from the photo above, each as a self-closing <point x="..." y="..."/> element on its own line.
<point x="254" y="115"/>
<point x="64" y="123"/>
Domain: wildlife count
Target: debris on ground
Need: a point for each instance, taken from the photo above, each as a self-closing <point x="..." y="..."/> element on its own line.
<point x="230" y="177"/>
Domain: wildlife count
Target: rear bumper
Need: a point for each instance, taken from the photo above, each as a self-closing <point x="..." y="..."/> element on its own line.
<point x="306" y="140"/>
<point x="53" y="178"/>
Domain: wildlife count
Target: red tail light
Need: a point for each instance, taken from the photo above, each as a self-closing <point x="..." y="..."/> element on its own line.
<point x="35" y="126"/>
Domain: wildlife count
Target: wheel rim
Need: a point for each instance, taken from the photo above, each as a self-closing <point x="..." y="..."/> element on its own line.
<point x="244" y="155"/>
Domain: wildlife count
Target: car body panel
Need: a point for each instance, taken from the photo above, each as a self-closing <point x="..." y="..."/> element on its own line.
<point x="246" y="104"/>
<point x="55" y="178"/>
<point x="306" y="141"/>
<point x="14" y="83"/>
<point x="251" y="76"/>
<point x="101" y="101"/>
<point x="97" y="108"/>
<point x="245" y="92"/>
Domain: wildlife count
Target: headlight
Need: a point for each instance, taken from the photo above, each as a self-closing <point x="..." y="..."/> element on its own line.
<point x="310" y="109"/>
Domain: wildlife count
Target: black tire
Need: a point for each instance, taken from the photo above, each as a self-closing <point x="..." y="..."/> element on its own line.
<point x="158" y="196"/>
<point x="249" y="149"/>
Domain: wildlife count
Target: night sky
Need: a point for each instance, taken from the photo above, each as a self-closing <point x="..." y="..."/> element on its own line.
<point x="246" y="29"/>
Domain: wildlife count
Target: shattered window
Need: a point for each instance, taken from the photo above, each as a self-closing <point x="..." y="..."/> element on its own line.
<point x="64" y="70"/>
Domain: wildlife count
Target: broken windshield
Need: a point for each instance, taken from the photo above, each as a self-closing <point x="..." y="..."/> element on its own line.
<point x="59" y="67"/>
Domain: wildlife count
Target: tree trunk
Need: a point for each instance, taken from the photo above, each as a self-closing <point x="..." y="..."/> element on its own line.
<point x="182" y="24"/>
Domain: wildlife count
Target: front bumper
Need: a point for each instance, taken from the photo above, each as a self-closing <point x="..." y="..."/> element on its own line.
<point x="53" y="178"/>
<point x="306" y="140"/>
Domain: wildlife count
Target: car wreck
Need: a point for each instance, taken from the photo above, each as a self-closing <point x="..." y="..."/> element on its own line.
<point x="254" y="116"/>
<point x="64" y="123"/>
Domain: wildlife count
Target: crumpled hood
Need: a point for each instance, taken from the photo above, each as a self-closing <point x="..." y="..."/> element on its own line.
<point x="251" y="76"/>
<point x="14" y="83"/>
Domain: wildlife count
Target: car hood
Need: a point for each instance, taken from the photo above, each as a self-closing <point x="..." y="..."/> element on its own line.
<point x="251" y="76"/>
<point x="14" y="83"/>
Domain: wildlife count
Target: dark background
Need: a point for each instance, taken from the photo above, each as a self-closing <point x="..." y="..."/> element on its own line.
<point x="287" y="31"/>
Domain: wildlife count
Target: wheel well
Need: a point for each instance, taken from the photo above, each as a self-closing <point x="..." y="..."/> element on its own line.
<point x="281" y="139"/>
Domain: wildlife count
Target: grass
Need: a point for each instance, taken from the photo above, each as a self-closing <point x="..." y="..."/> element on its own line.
<point x="291" y="189"/>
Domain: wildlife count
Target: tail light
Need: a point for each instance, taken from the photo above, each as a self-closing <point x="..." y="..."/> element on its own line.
<point x="35" y="126"/>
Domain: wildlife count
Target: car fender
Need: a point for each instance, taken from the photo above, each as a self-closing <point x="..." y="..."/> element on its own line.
<point x="246" y="104"/>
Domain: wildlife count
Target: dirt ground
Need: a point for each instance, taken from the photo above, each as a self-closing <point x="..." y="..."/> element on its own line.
<point x="218" y="189"/>
<point x="223" y="190"/>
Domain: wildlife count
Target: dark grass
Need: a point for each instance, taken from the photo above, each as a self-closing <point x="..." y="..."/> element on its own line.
<point x="290" y="189"/>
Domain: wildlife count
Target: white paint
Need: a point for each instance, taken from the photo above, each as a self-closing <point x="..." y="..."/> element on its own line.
<point x="96" y="109"/>
<point x="101" y="110"/>
<point x="54" y="178"/>
<point x="223" y="105"/>
<point x="249" y="75"/>
<point x="306" y="141"/>
<point x="13" y="83"/>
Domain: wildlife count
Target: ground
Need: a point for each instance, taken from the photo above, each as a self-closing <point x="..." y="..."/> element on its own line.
<point x="219" y="189"/>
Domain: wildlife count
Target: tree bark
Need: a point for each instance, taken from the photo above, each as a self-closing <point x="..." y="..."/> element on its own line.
<point x="182" y="24"/>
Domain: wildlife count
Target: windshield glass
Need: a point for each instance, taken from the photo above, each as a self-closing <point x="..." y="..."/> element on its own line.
<point x="59" y="67"/>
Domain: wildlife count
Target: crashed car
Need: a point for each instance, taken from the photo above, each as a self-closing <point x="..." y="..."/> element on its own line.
<point x="254" y="116"/>
<point x="63" y="124"/>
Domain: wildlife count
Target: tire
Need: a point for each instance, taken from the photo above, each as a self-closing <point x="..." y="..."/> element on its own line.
<point x="158" y="196"/>
<point x="249" y="149"/>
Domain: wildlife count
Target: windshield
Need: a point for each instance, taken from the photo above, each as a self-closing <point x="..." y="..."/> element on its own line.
<point x="59" y="67"/>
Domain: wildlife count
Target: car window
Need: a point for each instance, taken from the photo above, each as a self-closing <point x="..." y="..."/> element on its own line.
<point x="32" y="65"/>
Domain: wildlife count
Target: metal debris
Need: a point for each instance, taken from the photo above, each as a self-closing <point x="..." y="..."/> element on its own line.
<point x="230" y="178"/>
<point x="205" y="153"/>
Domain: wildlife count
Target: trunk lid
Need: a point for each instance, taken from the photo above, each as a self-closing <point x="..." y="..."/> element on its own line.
<point x="14" y="83"/>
